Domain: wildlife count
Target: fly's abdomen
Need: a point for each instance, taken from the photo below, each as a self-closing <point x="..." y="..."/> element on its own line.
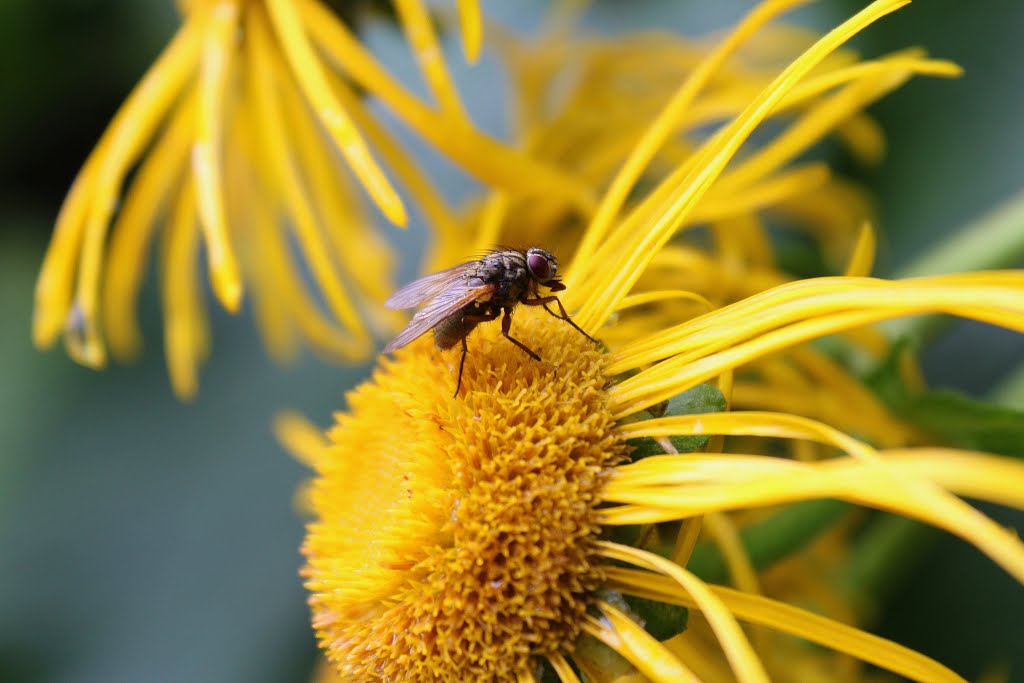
<point x="452" y="330"/>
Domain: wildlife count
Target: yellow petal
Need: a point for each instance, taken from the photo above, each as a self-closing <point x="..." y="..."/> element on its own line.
<point x="419" y="31"/>
<point x="133" y="229"/>
<point x="798" y="312"/>
<point x="562" y="669"/>
<point x="304" y="440"/>
<point x="487" y="159"/>
<point x="668" y="120"/>
<point x="737" y="649"/>
<point x="622" y="634"/>
<point x="869" y="481"/>
<point x="309" y="72"/>
<point x="725" y="535"/>
<point x="186" y="337"/>
<point x="862" y="260"/>
<point x="618" y="274"/>
<point x="275" y="143"/>
<point x="207" y="151"/>
<point x="472" y="28"/>
<point x="84" y="217"/>
<point x="793" y="620"/>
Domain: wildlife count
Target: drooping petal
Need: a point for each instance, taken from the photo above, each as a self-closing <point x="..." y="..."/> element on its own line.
<point x="617" y="276"/>
<point x="742" y="658"/>
<point x="628" y="639"/>
<point x="793" y="620"/>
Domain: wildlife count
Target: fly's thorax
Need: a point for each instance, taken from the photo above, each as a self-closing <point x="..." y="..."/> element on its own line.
<point x="506" y="271"/>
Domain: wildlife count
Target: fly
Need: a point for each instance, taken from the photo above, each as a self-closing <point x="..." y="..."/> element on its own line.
<point x="463" y="296"/>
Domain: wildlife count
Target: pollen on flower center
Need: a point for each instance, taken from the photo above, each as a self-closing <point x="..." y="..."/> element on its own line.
<point x="453" y="536"/>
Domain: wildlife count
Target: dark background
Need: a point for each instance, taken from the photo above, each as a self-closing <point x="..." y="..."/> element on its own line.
<point x="142" y="539"/>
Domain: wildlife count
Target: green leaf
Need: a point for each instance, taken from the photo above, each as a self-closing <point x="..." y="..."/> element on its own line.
<point x="660" y="619"/>
<point x="703" y="398"/>
<point x="958" y="419"/>
<point x="770" y="540"/>
<point x="968" y="422"/>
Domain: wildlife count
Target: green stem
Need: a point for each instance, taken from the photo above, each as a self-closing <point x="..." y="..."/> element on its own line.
<point x="994" y="240"/>
<point x="772" y="539"/>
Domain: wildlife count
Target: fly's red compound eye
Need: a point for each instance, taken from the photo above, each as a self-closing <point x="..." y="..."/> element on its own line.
<point x="539" y="266"/>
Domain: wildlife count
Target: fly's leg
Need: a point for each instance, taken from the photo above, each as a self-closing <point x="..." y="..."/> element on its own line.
<point x="545" y="300"/>
<point x="470" y="318"/>
<point x="462" y="364"/>
<point x="506" y="325"/>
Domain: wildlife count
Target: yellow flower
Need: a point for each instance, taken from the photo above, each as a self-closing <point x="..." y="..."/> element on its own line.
<point x="235" y="130"/>
<point x="484" y="537"/>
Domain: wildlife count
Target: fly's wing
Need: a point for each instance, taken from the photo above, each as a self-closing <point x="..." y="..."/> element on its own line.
<point x="447" y="303"/>
<point x="427" y="287"/>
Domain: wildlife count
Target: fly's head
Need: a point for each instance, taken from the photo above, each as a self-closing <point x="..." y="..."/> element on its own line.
<point x="543" y="267"/>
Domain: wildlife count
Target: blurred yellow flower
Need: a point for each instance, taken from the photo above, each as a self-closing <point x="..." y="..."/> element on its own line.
<point x="236" y="130"/>
<point x="486" y="536"/>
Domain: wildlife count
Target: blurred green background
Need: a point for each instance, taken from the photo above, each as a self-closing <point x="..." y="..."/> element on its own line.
<point x="146" y="540"/>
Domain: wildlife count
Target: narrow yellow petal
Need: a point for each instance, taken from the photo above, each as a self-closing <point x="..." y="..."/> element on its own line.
<point x="130" y="131"/>
<point x="862" y="261"/>
<point x="283" y="293"/>
<point x="810" y="383"/>
<point x="864" y="137"/>
<point x="133" y="230"/>
<point x="975" y="475"/>
<point x="309" y="72"/>
<point x="621" y="271"/>
<point x="622" y="634"/>
<point x="912" y="59"/>
<point x="185" y="333"/>
<point x="668" y="120"/>
<point x="301" y="438"/>
<point x="419" y="31"/>
<point x="783" y="186"/>
<point x="696" y="469"/>
<point x="489" y="160"/>
<point x="91" y="199"/>
<point x="702" y="659"/>
<point x="472" y="28"/>
<point x="719" y="106"/>
<point x="495" y="209"/>
<point x="562" y="669"/>
<point x="332" y="196"/>
<point x="276" y="147"/>
<point x="793" y="620"/>
<point x="725" y="535"/>
<point x="872" y="483"/>
<point x="815" y="124"/>
<point x="683" y="372"/>
<point x="686" y="539"/>
<point x="428" y="199"/>
<point x="219" y="42"/>
<point x="267" y="260"/>
<point x="644" y="298"/>
<point x="824" y="306"/>
<point x="738" y="651"/>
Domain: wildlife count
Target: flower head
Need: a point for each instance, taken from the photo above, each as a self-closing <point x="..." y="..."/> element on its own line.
<point x="417" y="568"/>
<point x="492" y="534"/>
